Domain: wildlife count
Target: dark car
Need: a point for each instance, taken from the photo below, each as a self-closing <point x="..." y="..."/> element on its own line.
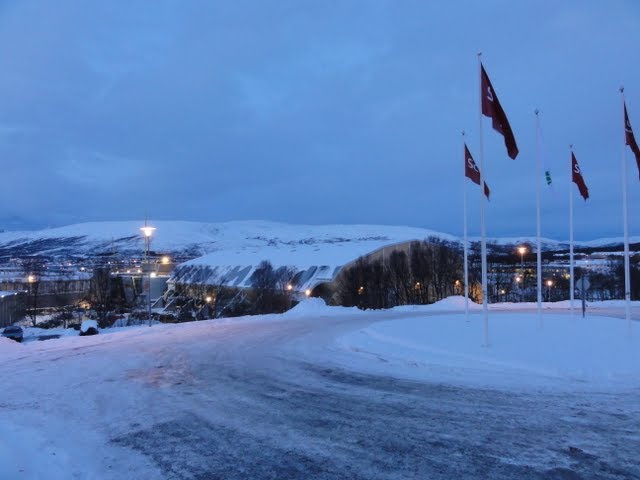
<point x="13" y="332"/>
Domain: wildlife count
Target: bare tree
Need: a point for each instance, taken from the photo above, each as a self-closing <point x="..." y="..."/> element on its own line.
<point x="270" y="288"/>
<point x="104" y="295"/>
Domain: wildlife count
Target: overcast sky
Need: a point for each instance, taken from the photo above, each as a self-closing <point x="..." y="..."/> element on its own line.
<point x="327" y="111"/>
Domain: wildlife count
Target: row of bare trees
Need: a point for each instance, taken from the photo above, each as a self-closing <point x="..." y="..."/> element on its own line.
<point x="428" y="271"/>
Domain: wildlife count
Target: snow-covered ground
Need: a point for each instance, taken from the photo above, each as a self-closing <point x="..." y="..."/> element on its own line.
<point x="560" y="352"/>
<point x="328" y="393"/>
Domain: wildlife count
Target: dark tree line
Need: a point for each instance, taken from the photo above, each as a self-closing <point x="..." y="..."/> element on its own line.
<point x="427" y="272"/>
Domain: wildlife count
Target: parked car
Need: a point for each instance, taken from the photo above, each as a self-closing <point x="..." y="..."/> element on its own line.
<point x="14" y="332"/>
<point x="89" y="327"/>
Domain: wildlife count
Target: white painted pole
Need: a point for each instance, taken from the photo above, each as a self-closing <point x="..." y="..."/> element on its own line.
<point x="465" y="242"/>
<point x="483" y="232"/>
<point x="538" y="178"/>
<point x="571" y="257"/>
<point x="625" y="217"/>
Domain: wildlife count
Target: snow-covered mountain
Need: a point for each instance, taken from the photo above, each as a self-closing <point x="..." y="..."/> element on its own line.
<point x="229" y="252"/>
<point x="196" y="239"/>
<point x="241" y="240"/>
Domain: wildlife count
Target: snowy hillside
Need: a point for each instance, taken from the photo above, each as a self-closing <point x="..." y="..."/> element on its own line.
<point x="242" y="237"/>
<point x="195" y="239"/>
<point x="316" y="252"/>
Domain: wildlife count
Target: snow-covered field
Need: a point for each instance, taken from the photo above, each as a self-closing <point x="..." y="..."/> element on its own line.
<point x="329" y="393"/>
<point x="562" y="352"/>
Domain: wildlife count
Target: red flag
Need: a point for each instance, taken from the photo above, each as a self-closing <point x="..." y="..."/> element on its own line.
<point x="630" y="138"/>
<point x="472" y="171"/>
<point x="491" y="108"/>
<point x="576" y="176"/>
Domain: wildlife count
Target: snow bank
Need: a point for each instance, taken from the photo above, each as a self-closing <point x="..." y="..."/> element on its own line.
<point x="317" y="307"/>
<point x="7" y="344"/>
<point x="594" y="350"/>
<point x="563" y="304"/>
<point x="454" y="303"/>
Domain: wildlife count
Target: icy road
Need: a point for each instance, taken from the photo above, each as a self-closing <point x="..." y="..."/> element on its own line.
<point x="277" y="398"/>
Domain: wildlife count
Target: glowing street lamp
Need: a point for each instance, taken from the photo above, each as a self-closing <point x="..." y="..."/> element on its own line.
<point x="165" y="260"/>
<point x="148" y="231"/>
<point x="549" y="285"/>
<point x="208" y="299"/>
<point x="32" y="280"/>
<point x="522" y="250"/>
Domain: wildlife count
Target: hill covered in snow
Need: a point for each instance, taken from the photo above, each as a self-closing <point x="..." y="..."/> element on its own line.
<point x="240" y="239"/>
<point x="196" y="239"/>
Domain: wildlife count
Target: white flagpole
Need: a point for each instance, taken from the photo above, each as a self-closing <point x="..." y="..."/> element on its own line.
<point x="538" y="241"/>
<point x="571" y="259"/>
<point x="465" y="243"/>
<point x="625" y="217"/>
<point x="483" y="232"/>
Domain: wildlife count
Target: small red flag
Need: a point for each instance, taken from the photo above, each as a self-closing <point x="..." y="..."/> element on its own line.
<point x="491" y="108"/>
<point x="630" y="138"/>
<point x="472" y="171"/>
<point x="576" y="175"/>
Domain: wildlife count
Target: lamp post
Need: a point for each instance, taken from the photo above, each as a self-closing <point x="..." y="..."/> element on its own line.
<point x="147" y="231"/>
<point x="522" y="251"/>
<point x="549" y="285"/>
<point x="33" y="291"/>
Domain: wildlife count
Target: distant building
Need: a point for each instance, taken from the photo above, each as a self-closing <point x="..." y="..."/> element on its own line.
<point x="12" y="307"/>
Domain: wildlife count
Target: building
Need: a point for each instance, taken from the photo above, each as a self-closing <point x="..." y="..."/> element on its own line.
<point x="12" y="307"/>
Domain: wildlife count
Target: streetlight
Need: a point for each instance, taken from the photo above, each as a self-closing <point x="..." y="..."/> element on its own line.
<point x="33" y="291"/>
<point x="522" y="250"/>
<point x="549" y="285"/>
<point x="147" y="231"/>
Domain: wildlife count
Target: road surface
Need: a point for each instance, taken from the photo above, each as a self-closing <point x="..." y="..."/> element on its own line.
<point x="267" y="400"/>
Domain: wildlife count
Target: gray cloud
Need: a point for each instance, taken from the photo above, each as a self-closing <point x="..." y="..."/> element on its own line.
<point x="306" y="111"/>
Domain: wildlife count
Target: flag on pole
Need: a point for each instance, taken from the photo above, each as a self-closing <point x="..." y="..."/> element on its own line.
<point x="630" y="138"/>
<point x="576" y="175"/>
<point x="548" y="180"/>
<point x="491" y="108"/>
<point x="472" y="171"/>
